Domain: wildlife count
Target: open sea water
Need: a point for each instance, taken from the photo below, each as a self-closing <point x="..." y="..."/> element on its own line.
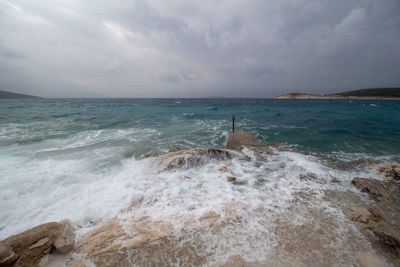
<point x="82" y="159"/>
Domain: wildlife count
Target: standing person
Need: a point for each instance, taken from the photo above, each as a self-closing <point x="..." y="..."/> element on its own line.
<point x="233" y="123"/>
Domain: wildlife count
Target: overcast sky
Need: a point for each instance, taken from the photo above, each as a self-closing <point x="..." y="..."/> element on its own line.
<point x="187" y="48"/>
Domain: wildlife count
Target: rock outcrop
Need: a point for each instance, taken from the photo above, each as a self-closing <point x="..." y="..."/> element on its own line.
<point x="381" y="218"/>
<point x="116" y="241"/>
<point x="230" y="176"/>
<point x="391" y="171"/>
<point x="112" y="236"/>
<point x="32" y="247"/>
<point x="239" y="139"/>
<point x="188" y="158"/>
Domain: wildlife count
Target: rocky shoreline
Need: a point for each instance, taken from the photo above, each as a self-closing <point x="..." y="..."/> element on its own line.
<point x="112" y="243"/>
<point x="380" y="220"/>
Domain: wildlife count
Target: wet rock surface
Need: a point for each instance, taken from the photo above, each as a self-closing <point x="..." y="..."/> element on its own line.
<point x="143" y="241"/>
<point x="113" y="236"/>
<point x="381" y="218"/>
<point x="238" y="139"/>
<point x="391" y="171"/>
<point x="188" y="158"/>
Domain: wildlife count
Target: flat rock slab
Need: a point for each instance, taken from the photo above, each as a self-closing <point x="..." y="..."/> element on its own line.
<point x="239" y="139"/>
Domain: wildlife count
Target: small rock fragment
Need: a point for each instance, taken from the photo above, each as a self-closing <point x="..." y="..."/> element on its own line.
<point x="231" y="178"/>
<point x="335" y="180"/>
<point x="360" y="214"/>
<point x="246" y="158"/>
<point x="226" y="170"/>
<point x="65" y="242"/>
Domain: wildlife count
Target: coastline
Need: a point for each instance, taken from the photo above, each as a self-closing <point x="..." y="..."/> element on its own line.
<point x="311" y="96"/>
<point x="135" y="237"/>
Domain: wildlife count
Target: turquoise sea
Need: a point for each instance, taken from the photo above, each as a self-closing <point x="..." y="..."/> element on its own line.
<point x="360" y="128"/>
<point x="83" y="160"/>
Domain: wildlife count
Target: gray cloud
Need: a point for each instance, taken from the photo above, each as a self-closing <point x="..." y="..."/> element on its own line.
<point x="180" y="48"/>
<point x="170" y="77"/>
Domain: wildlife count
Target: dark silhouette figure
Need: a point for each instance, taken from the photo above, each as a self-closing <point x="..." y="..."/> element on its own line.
<point x="233" y="123"/>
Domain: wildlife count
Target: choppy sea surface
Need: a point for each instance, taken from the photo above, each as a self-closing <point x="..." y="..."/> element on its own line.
<point x="82" y="159"/>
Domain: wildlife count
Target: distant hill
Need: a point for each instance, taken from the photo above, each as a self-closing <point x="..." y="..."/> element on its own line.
<point x="373" y="93"/>
<point x="5" y="94"/>
<point x="380" y="92"/>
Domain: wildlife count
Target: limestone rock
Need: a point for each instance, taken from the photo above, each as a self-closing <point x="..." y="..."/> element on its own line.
<point x="385" y="213"/>
<point x="209" y="219"/>
<point x="391" y="171"/>
<point x="187" y="158"/>
<point x="360" y="214"/>
<point x="65" y="242"/>
<point x="231" y="179"/>
<point x="237" y="261"/>
<point x="239" y="139"/>
<point x="113" y="243"/>
<point x="231" y="176"/>
<point x="34" y="243"/>
<point x="7" y="255"/>
<point x="40" y="243"/>
<point x="347" y="165"/>
<point x="225" y="169"/>
<point x="375" y="188"/>
<point x="369" y="260"/>
<point x="79" y="264"/>
<point x="335" y="180"/>
<point x="112" y="237"/>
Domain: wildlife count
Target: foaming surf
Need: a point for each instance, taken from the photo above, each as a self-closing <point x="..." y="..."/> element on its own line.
<point x="276" y="203"/>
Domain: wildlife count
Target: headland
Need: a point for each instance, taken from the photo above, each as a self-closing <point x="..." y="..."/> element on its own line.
<point x="6" y="94"/>
<point x="373" y="93"/>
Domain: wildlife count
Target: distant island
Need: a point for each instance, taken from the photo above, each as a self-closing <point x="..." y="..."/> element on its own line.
<point x="5" y="94"/>
<point x="373" y="93"/>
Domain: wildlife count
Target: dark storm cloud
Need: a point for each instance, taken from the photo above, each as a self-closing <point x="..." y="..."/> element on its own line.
<point x="197" y="48"/>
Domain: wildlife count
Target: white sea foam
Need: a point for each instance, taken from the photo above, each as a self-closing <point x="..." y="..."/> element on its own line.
<point x="81" y="188"/>
<point x="90" y="137"/>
